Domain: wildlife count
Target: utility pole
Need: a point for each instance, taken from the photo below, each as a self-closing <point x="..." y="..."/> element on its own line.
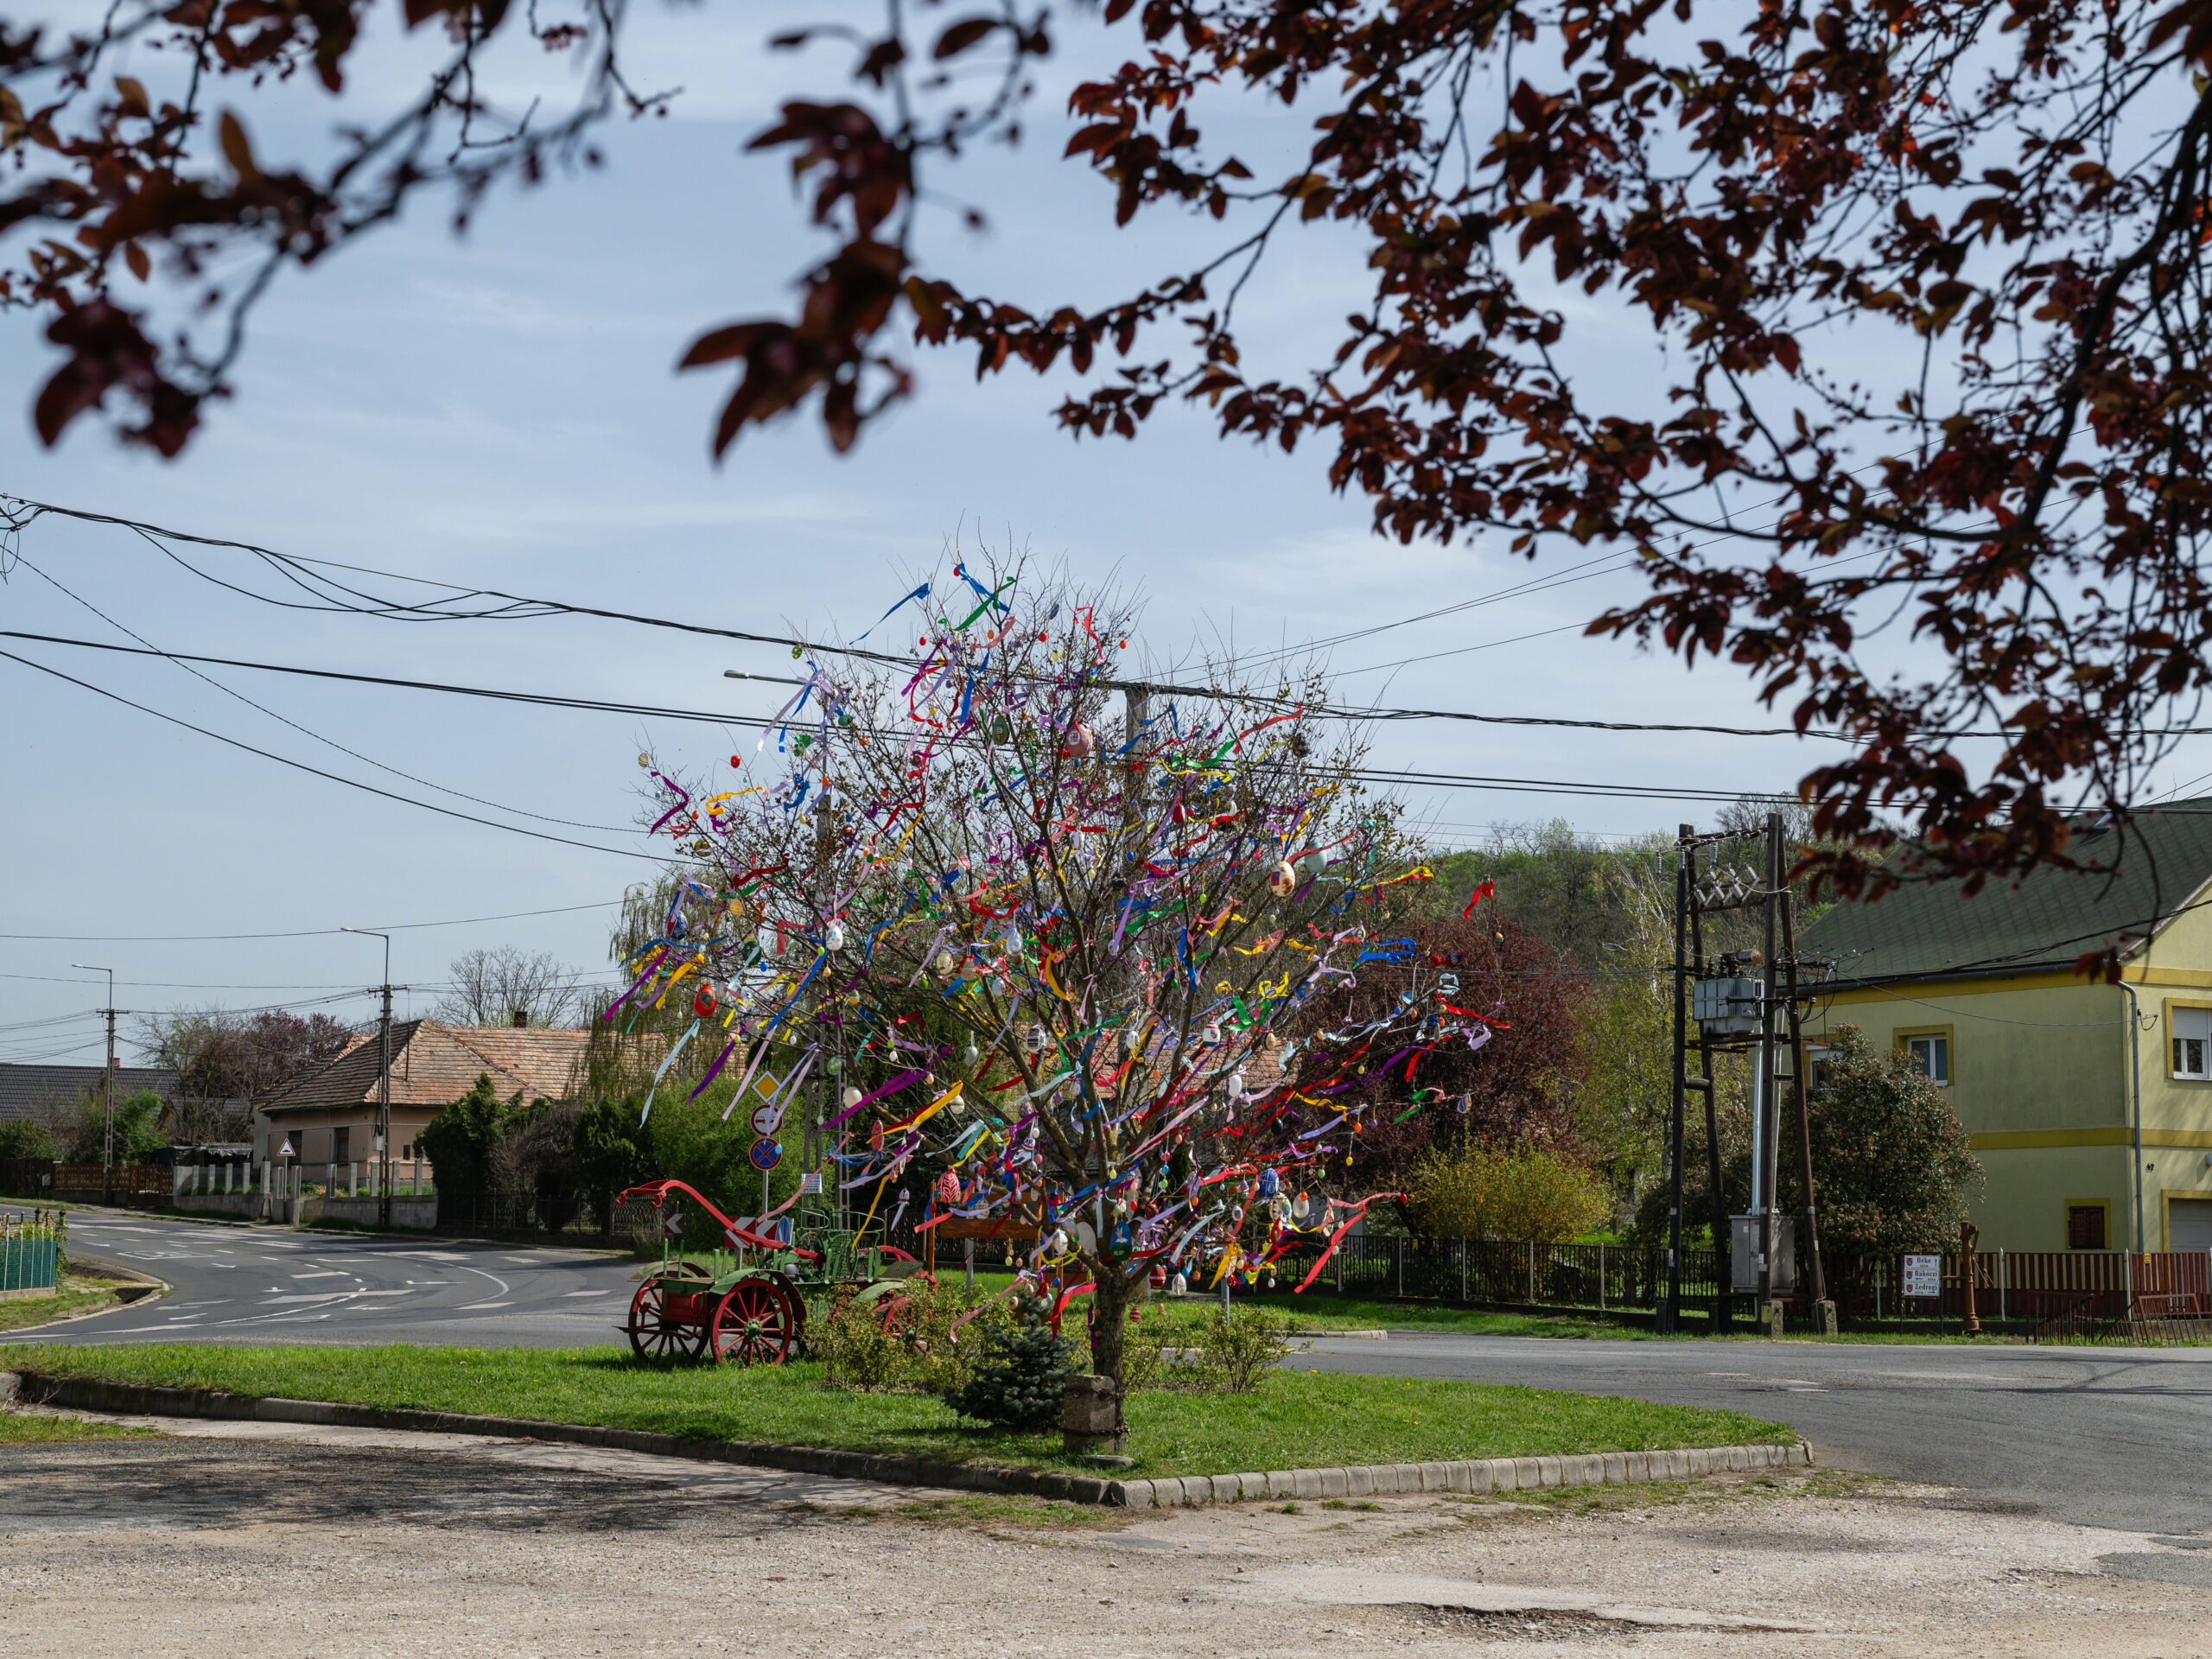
<point x="1766" y="1117"/>
<point x="1670" y="1310"/>
<point x="383" y="1085"/>
<point x="1822" y="1309"/>
<point x="1722" y="1026"/>
<point x="107" y="1087"/>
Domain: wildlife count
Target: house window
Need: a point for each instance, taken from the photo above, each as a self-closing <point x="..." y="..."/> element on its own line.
<point x="1931" y="1057"/>
<point x="2085" y="1226"/>
<point x="1816" y="1070"/>
<point x="2192" y="1037"/>
<point x="341" y="1146"/>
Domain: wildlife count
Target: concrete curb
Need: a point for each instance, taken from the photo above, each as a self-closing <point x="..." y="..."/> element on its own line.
<point x="1474" y="1476"/>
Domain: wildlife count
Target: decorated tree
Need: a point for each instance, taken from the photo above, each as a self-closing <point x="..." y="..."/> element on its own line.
<point x="1080" y="947"/>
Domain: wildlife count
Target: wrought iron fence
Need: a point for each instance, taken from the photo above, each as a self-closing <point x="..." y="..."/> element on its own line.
<point x="1603" y="1276"/>
<point x="536" y="1214"/>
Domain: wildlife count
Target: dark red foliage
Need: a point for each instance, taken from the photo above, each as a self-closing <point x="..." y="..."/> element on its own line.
<point x="1925" y="285"/>
<point x="1519" y="1086"/>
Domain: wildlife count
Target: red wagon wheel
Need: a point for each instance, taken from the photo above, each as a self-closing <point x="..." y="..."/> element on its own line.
<point x="655" y="1333"/>
<point x="753" y="1324"/>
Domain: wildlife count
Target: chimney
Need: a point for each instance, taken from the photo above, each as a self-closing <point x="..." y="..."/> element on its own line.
<point x="522" y="1018"/>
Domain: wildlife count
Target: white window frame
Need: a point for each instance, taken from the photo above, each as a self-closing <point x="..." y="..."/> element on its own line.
<point x="2189" y="1053"/>
<point x="1938" y="1045"/>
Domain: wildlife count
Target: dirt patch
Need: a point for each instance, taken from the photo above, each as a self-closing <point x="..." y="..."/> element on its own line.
<point x="145" y="1546"/>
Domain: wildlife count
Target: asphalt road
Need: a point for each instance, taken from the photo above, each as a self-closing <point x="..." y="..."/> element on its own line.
<point x="2099" y="1436"/>
<point x="2105" y="1436"/>
<point x="276" y="1284"/>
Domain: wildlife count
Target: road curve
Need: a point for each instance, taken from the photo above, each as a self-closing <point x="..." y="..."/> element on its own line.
<point x="2100" y="1436"/>
<point x="265" y="1284"/>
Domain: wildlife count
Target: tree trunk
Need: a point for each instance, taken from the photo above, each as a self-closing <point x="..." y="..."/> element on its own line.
<point x="1109" y="1323"/>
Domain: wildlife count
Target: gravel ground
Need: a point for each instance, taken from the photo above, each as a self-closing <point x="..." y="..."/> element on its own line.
<point x="275" y="1540"/>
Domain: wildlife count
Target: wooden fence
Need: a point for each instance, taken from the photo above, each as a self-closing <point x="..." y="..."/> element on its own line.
<point x="137" y="1186"/>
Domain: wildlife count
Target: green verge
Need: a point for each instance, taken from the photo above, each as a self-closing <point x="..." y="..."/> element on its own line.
<point x="1298" y="1420"/>
<point x="76" y="1296"/>
<point x="1317" y="1312"/>
<point x="25" y="1428"/>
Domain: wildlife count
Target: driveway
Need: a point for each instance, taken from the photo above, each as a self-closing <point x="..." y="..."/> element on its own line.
<point x="277" y="1284"/>
<point x="2104" y="1436"/>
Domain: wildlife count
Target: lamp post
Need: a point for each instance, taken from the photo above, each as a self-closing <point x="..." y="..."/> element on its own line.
<point x="107" y="1087"/>
<point x="384" y="1084"/>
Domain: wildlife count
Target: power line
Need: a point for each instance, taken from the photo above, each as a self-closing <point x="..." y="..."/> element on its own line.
<point x="517" y="606"/>
<point x="371" y="761"/>
<point x="347" y="986"/>
<point x="1516" y="785"/>
<point x="546" y="699"/>
<point x="714" y="717"/>
<point x="1554" y="787"/>
<point x="1519" y="590"/>
<point x="299" y="934"/>
<point x="335" y="778"/>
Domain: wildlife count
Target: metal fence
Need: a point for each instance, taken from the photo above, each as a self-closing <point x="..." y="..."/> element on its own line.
<point x="1601" y="1276"/>
<point x="30" y="1250"/>
<point x="2037" y="1285"/>
<point x="536" y="1214"/>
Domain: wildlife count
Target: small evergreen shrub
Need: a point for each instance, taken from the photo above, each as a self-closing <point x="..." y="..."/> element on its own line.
<point x="1018" y="1378"/>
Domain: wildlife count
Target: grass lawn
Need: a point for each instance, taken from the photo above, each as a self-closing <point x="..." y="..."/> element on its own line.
<point x="1298" y="1420"/>
<point x="75" y="1296"/>
<point x="28" y="1428"/>
<point x="1317" y="1312"/>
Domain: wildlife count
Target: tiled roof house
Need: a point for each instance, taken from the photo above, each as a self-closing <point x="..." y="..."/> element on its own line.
<point x="25" y="1090"/>
<point x="329" y="1115"/>
<point x="2089" y="1104"/>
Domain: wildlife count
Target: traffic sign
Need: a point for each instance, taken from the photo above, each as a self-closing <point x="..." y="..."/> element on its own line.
<point x="765" y="1118"/>
<point x="765" y="1154"/>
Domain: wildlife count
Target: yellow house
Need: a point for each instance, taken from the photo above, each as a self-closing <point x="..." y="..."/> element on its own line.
<point x="2089" y="1104"/>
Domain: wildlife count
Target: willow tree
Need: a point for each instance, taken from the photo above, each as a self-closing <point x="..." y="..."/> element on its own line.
<point x="1054" y="927"/>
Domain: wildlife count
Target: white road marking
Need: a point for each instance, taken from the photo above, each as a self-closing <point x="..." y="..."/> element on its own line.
<point x="591" y="1293"/>
<point x="472" y="1306"/>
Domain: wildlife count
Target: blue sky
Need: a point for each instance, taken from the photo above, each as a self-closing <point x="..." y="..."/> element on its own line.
<point x="502" y="410"/>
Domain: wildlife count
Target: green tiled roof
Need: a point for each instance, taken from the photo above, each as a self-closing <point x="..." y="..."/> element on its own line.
<point x="2048" y="921"/>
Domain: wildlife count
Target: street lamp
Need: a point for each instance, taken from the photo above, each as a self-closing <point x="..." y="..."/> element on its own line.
<point x="384" y="1084"/>
<point x="107" y="1086"/>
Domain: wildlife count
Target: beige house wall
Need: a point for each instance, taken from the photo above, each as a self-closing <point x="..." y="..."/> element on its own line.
<point x="2040" y="1075"/>
<point x="310" y="1132"/>
<point x="2044" y="1074"/>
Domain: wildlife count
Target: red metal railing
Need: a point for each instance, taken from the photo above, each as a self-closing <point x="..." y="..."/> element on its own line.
<point x="2055" y="1284"/>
